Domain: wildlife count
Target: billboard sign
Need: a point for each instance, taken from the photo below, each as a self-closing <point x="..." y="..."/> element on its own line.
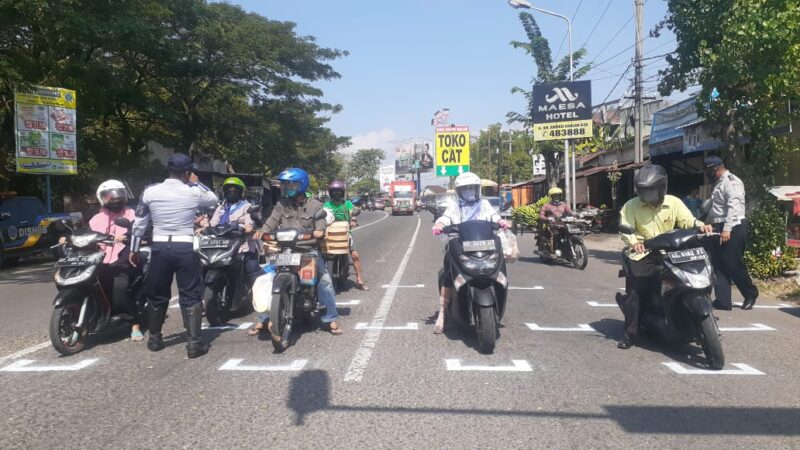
<point x="403" y="159"/>
<point x="452" y="151"/>
<point x="385" y="177"/>
<point x="562" y="111"/>
<point x="423" y="157"/>
<point x="45" y="127"/>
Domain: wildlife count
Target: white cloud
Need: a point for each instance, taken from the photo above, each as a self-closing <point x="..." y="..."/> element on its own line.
<point x="374" y="139"/>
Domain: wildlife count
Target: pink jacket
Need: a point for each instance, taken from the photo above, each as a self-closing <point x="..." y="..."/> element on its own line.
<point x="103" y="222"/>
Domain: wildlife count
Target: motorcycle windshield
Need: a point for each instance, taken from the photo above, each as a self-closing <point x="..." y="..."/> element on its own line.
<point x="671" y="240"/>
<point x="476" y="230"/>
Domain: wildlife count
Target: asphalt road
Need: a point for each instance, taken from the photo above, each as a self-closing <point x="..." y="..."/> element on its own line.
<point x="560" y="383"/>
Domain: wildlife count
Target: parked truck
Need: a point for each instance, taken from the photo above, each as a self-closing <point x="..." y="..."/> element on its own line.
<point x="403" y="197"/>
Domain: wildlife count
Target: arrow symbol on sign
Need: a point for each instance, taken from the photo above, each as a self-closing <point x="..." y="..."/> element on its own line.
<point x="460" y="170"/>
<point x="443" y="171"/>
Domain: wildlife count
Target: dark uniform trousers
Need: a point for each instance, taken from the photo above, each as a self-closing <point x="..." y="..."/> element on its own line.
<point x="729" y="265"/>
<point x="639" y="283"/>
<point x="176" y="259"/>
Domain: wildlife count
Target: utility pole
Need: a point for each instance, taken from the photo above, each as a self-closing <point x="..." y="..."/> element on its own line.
<point x="639" y="12"/>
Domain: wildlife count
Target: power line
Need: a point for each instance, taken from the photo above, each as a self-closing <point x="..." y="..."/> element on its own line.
<point x="574" y="15"/>
<point x="608" y="5"/>
<point x="628" y="48"/>
<point x="622" y="28"/>
<point x="616" y="84"/>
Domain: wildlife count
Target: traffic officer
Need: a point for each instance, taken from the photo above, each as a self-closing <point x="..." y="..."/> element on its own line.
<point x="727" y="217"/>
<point x="172" y="207"/>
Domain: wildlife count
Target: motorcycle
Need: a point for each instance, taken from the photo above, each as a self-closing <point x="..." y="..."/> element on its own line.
<point x="294" y="287"/>
<point x="565" y="243"/>
<point x="226" y="291"/>
<point x="679" y="308"/>
<point x="336" y="251"/>
<point x="81" y="306"/>
<point x="479" y="278"/>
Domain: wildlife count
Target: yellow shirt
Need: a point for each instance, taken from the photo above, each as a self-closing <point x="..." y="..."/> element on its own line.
<point x="650" y="222"/>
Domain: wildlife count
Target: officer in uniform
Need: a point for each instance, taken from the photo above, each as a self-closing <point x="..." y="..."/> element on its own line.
<point x="727" y="217"/>
<point x="172" y="207"/>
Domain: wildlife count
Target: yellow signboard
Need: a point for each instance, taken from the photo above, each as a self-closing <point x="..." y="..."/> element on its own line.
<point x="558" y="131"/>
<point x="452" y="151"/>
<point x="45" y="127"/>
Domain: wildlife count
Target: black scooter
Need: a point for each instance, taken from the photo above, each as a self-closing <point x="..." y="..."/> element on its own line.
<point x="82" y="306"/>
<point x="479" y="277"/>
<point x="679" y="308"/>
<point x="567" y="243"/>
<point x="227" y="291"/>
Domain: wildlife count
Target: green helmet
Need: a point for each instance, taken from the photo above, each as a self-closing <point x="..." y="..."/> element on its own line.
<point x="234" y="181"/>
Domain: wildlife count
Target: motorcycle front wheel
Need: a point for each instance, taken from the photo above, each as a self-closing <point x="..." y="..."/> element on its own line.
<point x="579" y="255"/>
<point x="708" y="334"/>
<point x="213" y="295"/>
<point x="280" y="312"/>
<point x="486" y="327"/>
<point x="64" y="337"/>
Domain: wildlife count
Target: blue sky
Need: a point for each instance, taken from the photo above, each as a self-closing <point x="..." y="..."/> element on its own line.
<point x="409" y="58"/>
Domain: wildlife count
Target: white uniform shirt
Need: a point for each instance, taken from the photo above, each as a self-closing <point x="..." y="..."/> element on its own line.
<point x="172" y="206"/>
<point x="455" y="214"/>
<point x="727" y="202"/>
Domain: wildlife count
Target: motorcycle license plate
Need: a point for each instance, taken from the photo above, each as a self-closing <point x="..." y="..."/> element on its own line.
<point x="74" y="261"/>
<point x="212" y="242"/>
<point x="688" y="255"/>
<point x="477" y="246"/>
<point x="286" y="259"/>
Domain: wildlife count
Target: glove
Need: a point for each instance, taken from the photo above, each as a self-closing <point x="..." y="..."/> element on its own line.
<point x="436" y="231"/>
<point x="504" y="225"/>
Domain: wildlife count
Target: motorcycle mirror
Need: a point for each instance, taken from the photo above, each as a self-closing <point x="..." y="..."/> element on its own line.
<point x="122" y="222"/>
<point x="705" y="207"/>
<point x="5" y="215"/>
<point x="356" y="211"/>
<point x="626" y="229"/>
<point x="61" y="226"/>
<point x="320" y="214"/>
<point x="254" y="209"/>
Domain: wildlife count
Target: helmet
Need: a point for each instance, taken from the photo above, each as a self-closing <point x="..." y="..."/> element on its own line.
<point x="651" y="184"/>
<point x="555" y="191"/>
<point x="468" y="188"/>
<point x="336" y="189"/>
<point x="112" y="194"/>
<point x="233" y="188"/>
<point x="293" y="181"/>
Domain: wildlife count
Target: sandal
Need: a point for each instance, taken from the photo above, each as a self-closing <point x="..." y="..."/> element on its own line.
<point x="362" y="286"/>
<point x="256" y="329"/>
<point x="137" y="336"/>
<point x="334" y="330"/>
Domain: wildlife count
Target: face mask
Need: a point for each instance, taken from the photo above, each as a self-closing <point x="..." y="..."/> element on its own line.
<point x="652" y="197"/>
<point x="232" y="197"/>
<point x="711" y="175"/>
<point x="337" y="196"/>
<point x="468" y="196"/>
<point x="115" y="206"/>
<point x="556" y="199"/>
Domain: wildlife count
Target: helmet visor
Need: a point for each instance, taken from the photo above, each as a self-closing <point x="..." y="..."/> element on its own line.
<point x="652" y="195"/>
<point x="113" y="195"/>
<point x="469" y="194"/>
<point x="289" y="188"/>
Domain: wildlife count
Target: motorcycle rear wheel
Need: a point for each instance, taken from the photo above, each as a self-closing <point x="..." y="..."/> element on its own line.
<point x="61" y="330"/>
<point x="486" y="327"/>
<point x="579" y="256"/>
<point x="708" y="334"/>
<point x="281" y="323"/>
<point x="344" y="269"/>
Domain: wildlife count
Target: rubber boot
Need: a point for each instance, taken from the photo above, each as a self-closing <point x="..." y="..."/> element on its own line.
<point x="193" y="318"/>
<point x="155" y="319"/>
<point x="438" y="328"/>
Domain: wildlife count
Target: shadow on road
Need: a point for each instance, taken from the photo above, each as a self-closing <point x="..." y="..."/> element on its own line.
<point x="607" y="256"/>
<point x="38" y="272"/>
<point x="310" y="392"/>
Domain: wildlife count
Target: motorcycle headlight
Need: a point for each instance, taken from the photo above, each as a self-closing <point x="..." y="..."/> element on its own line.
<point x="479" y="265"/>
<point x="286" y="236"/>
<point x="80" y="278"/>
<point x="83" y="240"/>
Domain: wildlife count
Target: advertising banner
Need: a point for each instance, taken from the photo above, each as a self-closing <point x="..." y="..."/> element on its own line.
<point x="385" y="177"/>
<point x="562" y="111"/>
<point x="403" y="159"/>
<point x="452" y="151"/>
<point x="45" y="125"/>
<point x="424" y="156"/>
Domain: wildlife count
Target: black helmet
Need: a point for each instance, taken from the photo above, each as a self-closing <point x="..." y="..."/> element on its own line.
<point x="651" y="184"/>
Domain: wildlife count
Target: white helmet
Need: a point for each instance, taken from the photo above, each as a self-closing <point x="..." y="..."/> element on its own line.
<point x="111" y="190"/>
<point x="468" y="187"/>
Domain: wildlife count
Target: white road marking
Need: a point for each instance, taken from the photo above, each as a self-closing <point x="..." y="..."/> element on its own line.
<point x="778" y="306"/>
<point x="242" y="326"/>
<point x="24" y="365"/>
<point x="235" y="364"/>
<point x="518" y="365"/>
<point x="533" y="288"/>
<point x="580" y="327"/>
<point x="603" y="304"/>
<point x="364" y="352"/>
<point x="366" y="326"/>
<point x="361" y="227"/>
<point x="349" y="303"/>
<point x="403" y="286"/>
<point x="24" y="352"/>
<point x="741" y="369"/>
<point x="752" y="327"/>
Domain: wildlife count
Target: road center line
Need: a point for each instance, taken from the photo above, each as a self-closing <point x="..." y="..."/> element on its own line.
<point x="518" y="365"/>
<point x="580" y="327"/>
<point x="361" y="227"/>
<point x="407" y="326"/>
<point x="532" y="288"/>
<point x="364" y="352"/>
<point x="741" y="369"/>
<point x="404" y="286"/>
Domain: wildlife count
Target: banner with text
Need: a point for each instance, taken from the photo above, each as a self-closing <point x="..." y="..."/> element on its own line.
<point x="45" y="128"/>
<point x="452" y="151"/>
<point x="562" y="111"/>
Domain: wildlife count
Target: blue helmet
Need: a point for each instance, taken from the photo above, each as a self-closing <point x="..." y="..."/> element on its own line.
<point x="294" y="175"/>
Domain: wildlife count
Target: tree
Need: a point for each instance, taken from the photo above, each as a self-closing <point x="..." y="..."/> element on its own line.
<point x="363" y="168"/>
<point x="746" y="52"/>
<point x="538" y="48"/>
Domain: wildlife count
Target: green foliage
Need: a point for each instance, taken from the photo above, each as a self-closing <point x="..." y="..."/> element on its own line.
<point x="528" y="215"/>
<point x="515" y="166"/>
<point x="768" y="232"/>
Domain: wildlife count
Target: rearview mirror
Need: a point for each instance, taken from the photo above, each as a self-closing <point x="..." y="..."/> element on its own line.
<point x="254" y="209"/>
<point x="626" y="229"/>
<point x="122" y="222"/>
<point x="61" y="226"/>
<point x="320" y="214"/>
<point x="356" y="211"/>
<point x="5" y="215"/>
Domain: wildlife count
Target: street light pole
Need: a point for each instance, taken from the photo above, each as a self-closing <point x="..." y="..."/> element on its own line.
<point x="525" y="4"/>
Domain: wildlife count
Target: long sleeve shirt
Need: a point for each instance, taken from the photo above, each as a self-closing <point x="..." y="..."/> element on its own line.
<point x="236" y="214"/>
<point x="557" y="211"/>
<point x="455" y="213"/>
<point x="650" y="222"/>
<point x="288" y="214"/>
<point x="103" y="222"/>
<point x="727" y="202"/>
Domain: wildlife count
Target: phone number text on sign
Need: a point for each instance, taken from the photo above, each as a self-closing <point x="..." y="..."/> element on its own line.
<point x="562" y="130"/>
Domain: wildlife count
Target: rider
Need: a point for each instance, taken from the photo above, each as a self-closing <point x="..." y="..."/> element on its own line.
<point x="234" y="210"/>
<point x="342" y="211"/>
<point x="651" y="213"/>
<point x="296" y="210"/>
<point x="469" y="206"/>
<point x="118" y="274"/>
<point x="554" y="210"/>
